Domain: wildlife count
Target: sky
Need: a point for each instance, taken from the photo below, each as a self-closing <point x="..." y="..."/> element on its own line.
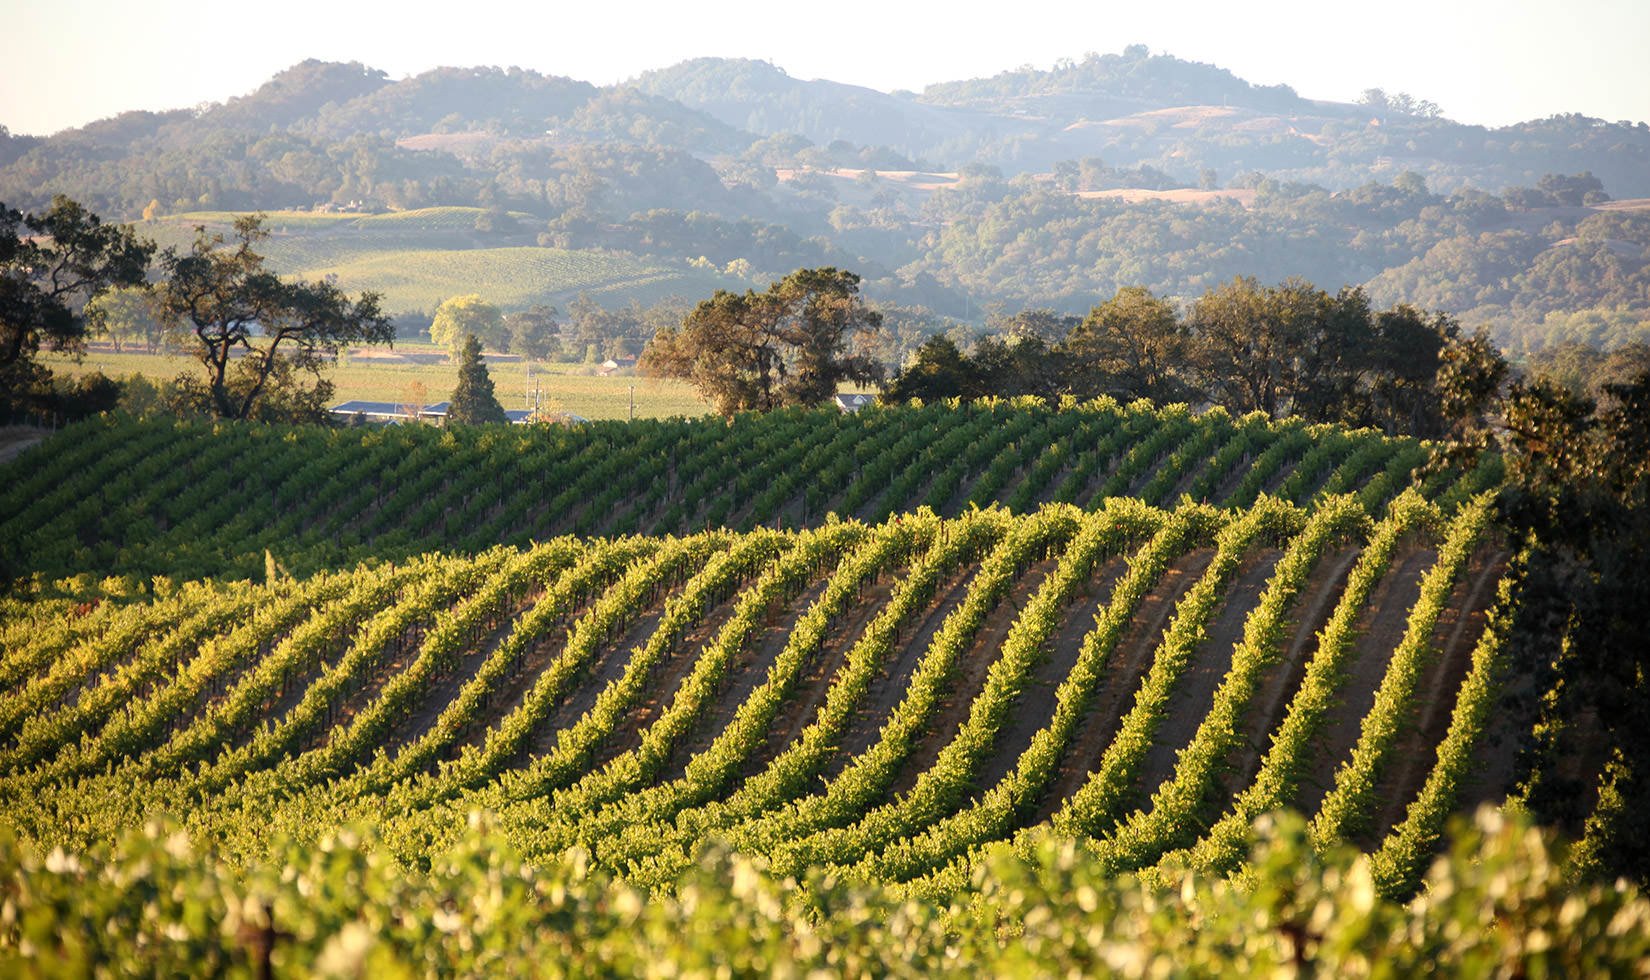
<point x="69" y="62"/>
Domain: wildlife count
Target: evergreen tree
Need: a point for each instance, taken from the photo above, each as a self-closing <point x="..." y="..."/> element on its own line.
<point x="473" y="400"/>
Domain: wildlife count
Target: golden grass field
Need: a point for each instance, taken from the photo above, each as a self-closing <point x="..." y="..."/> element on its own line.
<point x="571" y="388"/>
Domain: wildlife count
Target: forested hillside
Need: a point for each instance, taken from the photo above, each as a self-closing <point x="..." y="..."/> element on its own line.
<point x="1032" y="188"/>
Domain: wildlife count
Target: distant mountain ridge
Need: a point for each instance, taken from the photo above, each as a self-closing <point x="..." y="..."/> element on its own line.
<point x="1023" y="120"/>
<point x="761" y="98"/>
<point x="1132" y="81"/>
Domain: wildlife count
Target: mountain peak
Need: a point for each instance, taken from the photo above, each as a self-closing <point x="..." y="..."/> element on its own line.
<point x="300" y="91"/>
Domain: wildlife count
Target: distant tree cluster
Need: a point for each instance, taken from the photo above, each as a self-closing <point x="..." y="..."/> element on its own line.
<point x="584" y="332"/>
<point x="126" y="317"/>
<point x="534" y="332"/>
<point x="1588" y="371"/>
<point x="1401" y="103"/>
<point x="1290" y="349"/>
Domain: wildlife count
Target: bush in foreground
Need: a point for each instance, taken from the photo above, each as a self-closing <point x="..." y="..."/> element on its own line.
<point x="1497" y="903"/>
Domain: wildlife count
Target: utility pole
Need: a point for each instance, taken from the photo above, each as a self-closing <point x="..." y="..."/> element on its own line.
<point x="530" y="397"/>
<point x="632" y="402"/>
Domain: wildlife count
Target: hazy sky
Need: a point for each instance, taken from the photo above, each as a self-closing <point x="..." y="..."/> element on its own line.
<point x="68" y="62"/>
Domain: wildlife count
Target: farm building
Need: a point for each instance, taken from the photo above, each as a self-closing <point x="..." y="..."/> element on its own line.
<point x="393" y="413"/>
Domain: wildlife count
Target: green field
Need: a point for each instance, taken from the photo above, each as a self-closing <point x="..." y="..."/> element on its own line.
<point x="417" y="259"/>
<point x="570" y="388"/>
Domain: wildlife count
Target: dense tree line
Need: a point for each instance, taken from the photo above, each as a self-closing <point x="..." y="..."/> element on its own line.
<point x="1290" y="349"/>
<point x="582" y="332"/>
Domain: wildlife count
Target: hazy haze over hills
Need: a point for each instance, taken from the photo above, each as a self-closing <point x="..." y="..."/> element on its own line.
<point x="1486" y="62"/>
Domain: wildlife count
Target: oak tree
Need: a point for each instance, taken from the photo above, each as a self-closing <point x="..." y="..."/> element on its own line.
<point x="50" y="265"/>
<point x="534" y="332"/>
<point x="790" y="345"/>
<point x="257" y="335"/>
<point x="1133" y="345"/>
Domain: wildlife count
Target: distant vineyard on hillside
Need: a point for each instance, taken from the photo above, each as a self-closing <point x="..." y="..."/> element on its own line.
<point x="893" y="701"/>
<point x="196" y="499"/>
<point x="419" y="258"/>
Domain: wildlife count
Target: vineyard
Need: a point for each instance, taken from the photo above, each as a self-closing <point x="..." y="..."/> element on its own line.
<point x="416" y="259"/>
<point x="192" y="500"/>
<point x="860" y="693"/>
<point x="889" y="700"/>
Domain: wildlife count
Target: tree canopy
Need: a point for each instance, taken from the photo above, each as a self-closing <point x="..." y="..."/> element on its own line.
<point x="256" y="334"/>
<point x="534" y="331"/>
<point x="938" y="370"/>
<point x="790" y="345"/>
<point x="465" y="316"/>
<point x="51" y="264"/>
<point x="1134" y="344"/>
<point x="1575" y="506"/>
